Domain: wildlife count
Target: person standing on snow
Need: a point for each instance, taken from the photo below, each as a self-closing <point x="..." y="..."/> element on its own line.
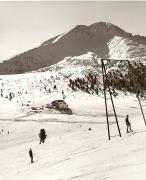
<point x="128" y="124"/>
<point x="42" y="135"/>
<point x="31" y="155"/>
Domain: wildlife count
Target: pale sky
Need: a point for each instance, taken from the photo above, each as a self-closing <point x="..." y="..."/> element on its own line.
<point x="25" y="25"/>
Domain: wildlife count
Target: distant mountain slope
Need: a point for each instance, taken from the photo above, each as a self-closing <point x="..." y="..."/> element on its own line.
<point x="50" y="80"/>
<point x="79" y="73"/>
<point x="76" y="66"/>
<point x="79" y="40"/>
<point x="124" y="48"/>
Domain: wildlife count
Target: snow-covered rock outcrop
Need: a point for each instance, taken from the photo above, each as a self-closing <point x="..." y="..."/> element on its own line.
<point x="76" y="66"/>
<point x="124" y="48"/>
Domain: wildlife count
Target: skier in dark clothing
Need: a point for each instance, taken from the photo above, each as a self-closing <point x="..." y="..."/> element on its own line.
<point x="128" y="124"/>
<point x="42" y="136"/>
<point x="31" y="155"/>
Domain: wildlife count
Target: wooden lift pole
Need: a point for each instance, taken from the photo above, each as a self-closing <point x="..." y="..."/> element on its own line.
<point x="111" y="99"/>
<point x="104" y="89"/>
<point x="141" y="109"/>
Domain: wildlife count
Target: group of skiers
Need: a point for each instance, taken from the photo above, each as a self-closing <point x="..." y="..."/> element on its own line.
<point x="42" y="135"/>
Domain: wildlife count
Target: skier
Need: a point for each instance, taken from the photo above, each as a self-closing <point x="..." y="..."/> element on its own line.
<point x="10" y="96"/>
<point x="128" y="124"/>
<point x="42" y="136"/>
<point x="63" y="95"/>
<point x="31" y="155"/>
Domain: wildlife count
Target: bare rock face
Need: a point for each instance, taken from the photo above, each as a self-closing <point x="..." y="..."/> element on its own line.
<point x="79" y="40"/>
<point x="61" y="106"/>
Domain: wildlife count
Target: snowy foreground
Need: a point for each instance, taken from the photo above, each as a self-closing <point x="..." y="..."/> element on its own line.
<point x="71" y="151"/>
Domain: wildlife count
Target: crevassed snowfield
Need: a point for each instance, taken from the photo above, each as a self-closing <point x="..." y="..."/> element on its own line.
<point x="71" y="151"/>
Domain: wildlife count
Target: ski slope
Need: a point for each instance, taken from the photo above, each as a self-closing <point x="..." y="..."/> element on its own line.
<point x="71" y="151"/>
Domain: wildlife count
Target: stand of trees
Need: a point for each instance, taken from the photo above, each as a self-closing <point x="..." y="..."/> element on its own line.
<point x="128" y="77"/>
<point x="89" y="84"/>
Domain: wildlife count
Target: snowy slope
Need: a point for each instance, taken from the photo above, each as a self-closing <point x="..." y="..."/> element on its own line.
<point x="41" y="83"/>
<point x="30" y="86"/>
<point x="76" y="66"/>
<point x="71" y="151"/>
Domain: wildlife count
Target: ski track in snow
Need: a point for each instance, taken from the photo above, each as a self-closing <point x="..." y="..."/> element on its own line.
<point x="71" y="151"/>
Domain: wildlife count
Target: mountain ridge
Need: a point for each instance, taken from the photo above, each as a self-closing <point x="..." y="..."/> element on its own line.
<point x="77" y="41"/>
